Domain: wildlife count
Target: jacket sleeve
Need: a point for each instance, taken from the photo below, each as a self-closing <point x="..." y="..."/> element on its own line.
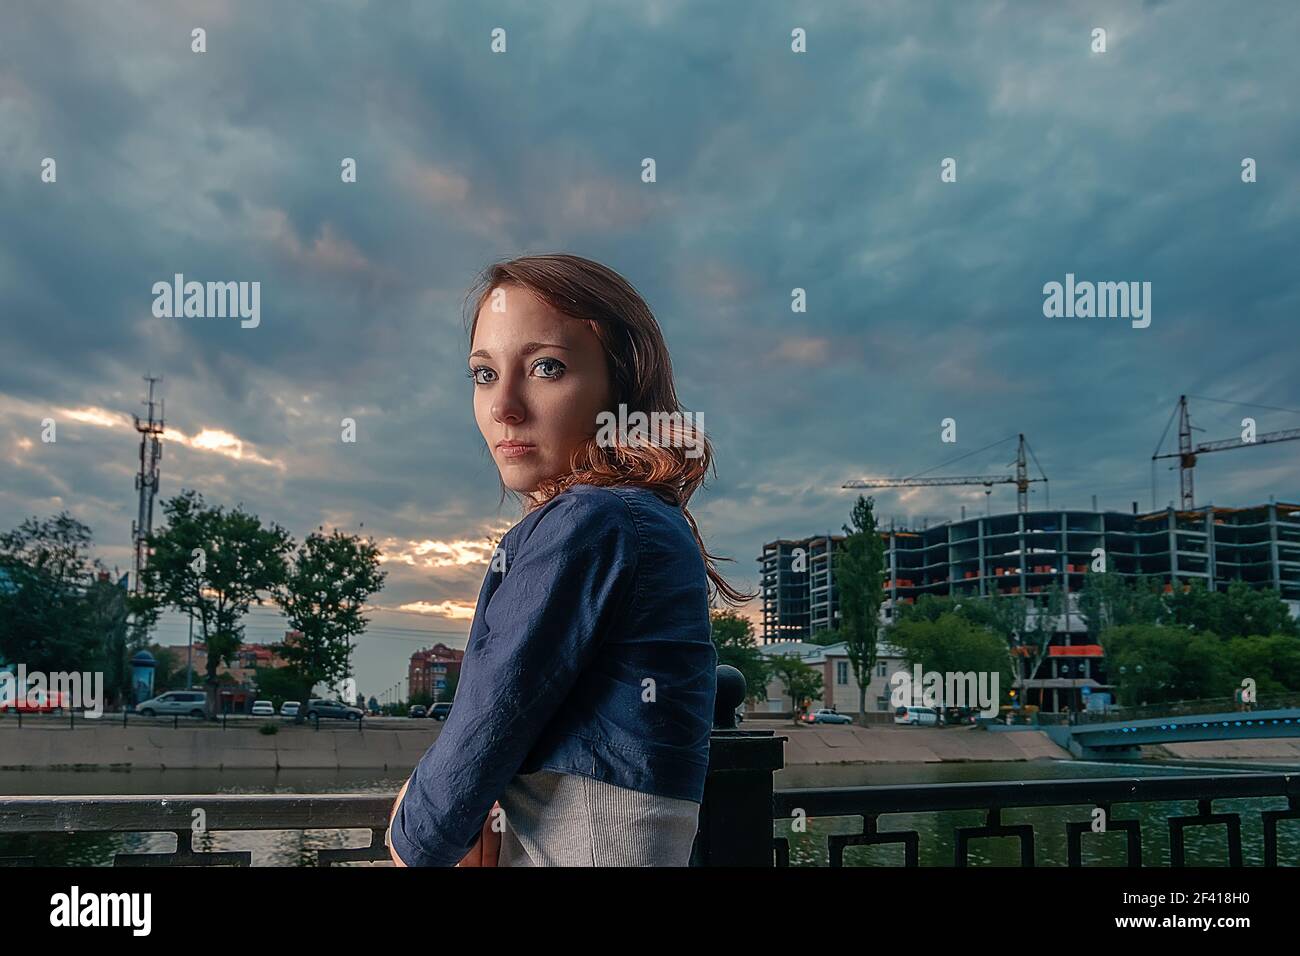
<point x="540" y="628"/>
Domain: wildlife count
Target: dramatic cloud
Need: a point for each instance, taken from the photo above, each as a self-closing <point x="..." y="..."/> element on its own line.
<point x="818" y="171"/>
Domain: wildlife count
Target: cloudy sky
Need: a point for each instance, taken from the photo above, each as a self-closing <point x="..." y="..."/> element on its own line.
<point x="775" y="170"/>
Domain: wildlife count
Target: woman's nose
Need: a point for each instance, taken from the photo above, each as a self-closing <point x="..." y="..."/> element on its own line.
<point x="506" y="406"/>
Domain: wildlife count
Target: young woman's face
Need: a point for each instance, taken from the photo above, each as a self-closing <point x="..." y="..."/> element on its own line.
<point x="540" y="379"/>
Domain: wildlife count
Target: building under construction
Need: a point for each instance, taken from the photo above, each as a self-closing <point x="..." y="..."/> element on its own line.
<point x="1024" y="553"/>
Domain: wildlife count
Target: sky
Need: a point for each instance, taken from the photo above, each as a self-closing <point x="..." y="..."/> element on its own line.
<point x="775" y="170"/>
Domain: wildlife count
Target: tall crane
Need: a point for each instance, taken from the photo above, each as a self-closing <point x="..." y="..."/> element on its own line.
<point x="1186" y="453"/>
<point x="1020" y="479"/>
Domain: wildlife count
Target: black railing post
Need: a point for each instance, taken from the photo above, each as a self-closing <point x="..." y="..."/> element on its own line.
<point x="736" y="813"/>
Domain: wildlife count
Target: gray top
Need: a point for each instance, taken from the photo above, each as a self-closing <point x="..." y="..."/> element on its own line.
<point x="559" y="819"/>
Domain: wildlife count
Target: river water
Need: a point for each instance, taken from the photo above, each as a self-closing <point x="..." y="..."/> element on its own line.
<point x="1205" y="846"/>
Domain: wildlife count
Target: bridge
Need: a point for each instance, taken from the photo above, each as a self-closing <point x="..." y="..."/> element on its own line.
<point x="1120" y="738"/>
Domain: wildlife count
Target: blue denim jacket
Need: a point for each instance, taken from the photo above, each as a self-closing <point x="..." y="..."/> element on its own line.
<point x="591" y="653"/>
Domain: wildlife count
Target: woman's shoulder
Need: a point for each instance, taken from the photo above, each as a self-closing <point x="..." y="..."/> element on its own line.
<point x="584" y="511"/>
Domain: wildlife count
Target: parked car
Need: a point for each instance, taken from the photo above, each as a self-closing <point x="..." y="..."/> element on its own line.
<point x="290" y="708"/>
<point x="187" y="703"/>
<point x="263" y="708"/>
<point x="918" y="716"/>
<point x="418" y="710"/>
<point x="827" y="717"/>
<point x="332" y="708"/>
<point x="440" y="711"/>
<point x="959" y="715"/>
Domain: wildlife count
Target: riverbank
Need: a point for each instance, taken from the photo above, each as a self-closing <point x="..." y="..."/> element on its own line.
<point x="56" y="746"/>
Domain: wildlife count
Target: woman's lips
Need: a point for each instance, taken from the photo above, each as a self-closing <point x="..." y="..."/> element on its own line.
<point x="515" y="451"/>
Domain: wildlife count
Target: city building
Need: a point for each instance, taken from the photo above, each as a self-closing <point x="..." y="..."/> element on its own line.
<point x="798" y="589"/>
<point x="429" y="671"/>
<point x="1026" y="553"/>
<point x="839" y="680"/>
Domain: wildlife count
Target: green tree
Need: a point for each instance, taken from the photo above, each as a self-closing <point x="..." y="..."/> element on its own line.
<point x="952" y="644"/>
<point x="1108" y="600"/>
<point x="859" y="571"/>
<point x="277" y="684"/>
<point x="1272" y="661"/>
<point x="45" y="620"/>
<point x="213" y="565"/>
<point x="322" y="593"/>
<point x="733" y="638"/>
<point x="1241" y="611"/>
<point x="799" y="679"/>
<point x="1152" y="664"/>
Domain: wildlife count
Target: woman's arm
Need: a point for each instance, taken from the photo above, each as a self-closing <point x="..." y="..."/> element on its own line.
<point x="538" y="631"/>
<point x="485" y="852"/>
<point x="397" y="860"/>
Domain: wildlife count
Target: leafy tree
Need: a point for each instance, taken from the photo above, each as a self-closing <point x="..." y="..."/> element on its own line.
<point x="859" y="571"/>
<point x="1271" y="661"/>
<point x="1152" y="664"/>
<point x="322" y="593"/>
<point x="733" y="638"/>
<point x="952" y="644"/>
<point x="213" y="565"/>
<point x="278" y="684"/>
<point x="1239" y="612"/>
<point x="1108" y="600"/>
<point x="798" y="678"/>
<point x="45" y="620"/>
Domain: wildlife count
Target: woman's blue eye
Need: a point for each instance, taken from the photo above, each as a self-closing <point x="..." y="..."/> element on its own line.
<point x="559" y="366"/>
<point x="556" y="366"/>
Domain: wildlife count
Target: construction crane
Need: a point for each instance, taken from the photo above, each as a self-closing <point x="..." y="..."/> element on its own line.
<point x="1020" y="479"/>
<point x="1186" y="454"/>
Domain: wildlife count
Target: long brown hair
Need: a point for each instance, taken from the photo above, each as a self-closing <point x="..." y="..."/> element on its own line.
<point x="641" y="377"/>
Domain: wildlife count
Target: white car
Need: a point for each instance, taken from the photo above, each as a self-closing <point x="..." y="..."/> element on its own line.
<point x="919" y="716"/>
<point x="290" y="708"/>
<point x="263" y="708"/>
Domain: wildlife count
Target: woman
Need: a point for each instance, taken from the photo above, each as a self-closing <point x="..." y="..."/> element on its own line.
<point x="580" y="731"/>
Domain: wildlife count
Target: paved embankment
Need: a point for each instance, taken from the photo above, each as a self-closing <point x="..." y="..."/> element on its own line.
<point x="1281" y="749"/>
<point x="209" y="747"/>
<point x="399" y="746"/>
<point x="822" y="744"/>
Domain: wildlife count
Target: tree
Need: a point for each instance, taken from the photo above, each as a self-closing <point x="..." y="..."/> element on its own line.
<point x="800" y="680"/>
<point x="1152" y="664"/>
<point x="213" y="565"/>
<point x="277" y="684"/>
<point x="1271" y="661"/>
<point x="859" y="570"/>
<point x="1108" y="600"/>
<point x="1241" y="611"/>
<point x="45" y="620"/>
<point x="322" y="594"/>
<point x="953" y="645"/>
<point x="733" y="638"/>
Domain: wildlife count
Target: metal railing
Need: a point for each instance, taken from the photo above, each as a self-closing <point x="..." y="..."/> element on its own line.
<point x="737" y="817"/>
<point x="1186" y="708"/>
<point x="870" y="803"/>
